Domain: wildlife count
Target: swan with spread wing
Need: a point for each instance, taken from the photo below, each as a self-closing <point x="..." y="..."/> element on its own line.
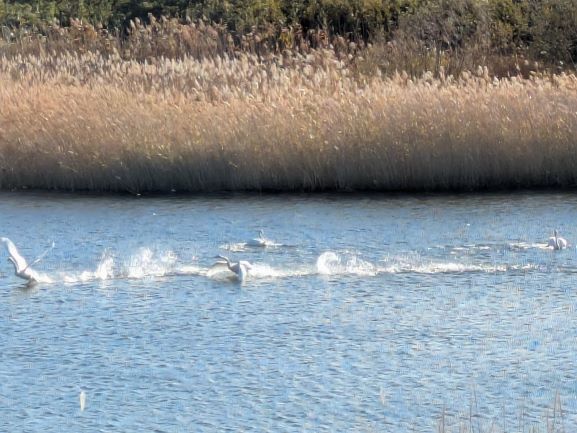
<point x="240" y="268"/>
<point x="22" y="268"/>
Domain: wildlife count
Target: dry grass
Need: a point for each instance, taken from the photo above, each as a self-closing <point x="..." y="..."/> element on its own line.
<point x="286" y="122"/>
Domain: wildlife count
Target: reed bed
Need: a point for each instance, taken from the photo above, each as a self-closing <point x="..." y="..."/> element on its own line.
<point x="280" y="122"/>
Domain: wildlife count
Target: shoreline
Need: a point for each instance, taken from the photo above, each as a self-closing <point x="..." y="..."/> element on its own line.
<point x="328" y="194"/>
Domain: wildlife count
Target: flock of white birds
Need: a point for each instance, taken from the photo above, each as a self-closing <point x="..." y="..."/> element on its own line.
<point x="24" y="270"/>
<point x="241" y="269"/>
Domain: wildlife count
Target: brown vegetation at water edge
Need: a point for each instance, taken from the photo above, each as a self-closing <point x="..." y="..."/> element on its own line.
<point x="287" y="122"/>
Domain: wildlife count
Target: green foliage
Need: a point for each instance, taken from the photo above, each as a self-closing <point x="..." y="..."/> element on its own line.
<point x="542" y="29"/>
<point x="362" y="18"/>
<point x="509" y="24"/>
<point x="554" y="30"/>
<point x="446" y="24"/>
<point x="241" y="15"/>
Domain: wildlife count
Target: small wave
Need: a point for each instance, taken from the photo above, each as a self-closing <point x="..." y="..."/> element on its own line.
<point x="234" y="247"/>
<point x="480" y="248"/>
<point x="332" y="263"/>
<point x="260" y="270"/>
<point x="529" y="246"/>
<point x="190" y="270"/>
<point x="245" y="246"/>
<point x="514" y="246"/>
<point x="476" y="247"/>
<point x="440" y="268"/>
<point x="266" y="243"/>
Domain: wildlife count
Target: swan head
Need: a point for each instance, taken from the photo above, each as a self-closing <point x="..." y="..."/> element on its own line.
<point x="555" y="232"/>
<point x="261" y="233"/>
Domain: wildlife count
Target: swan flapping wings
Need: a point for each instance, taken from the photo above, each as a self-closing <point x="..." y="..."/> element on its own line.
<point x="17" y="259"/>
<point x="22" y="269"/>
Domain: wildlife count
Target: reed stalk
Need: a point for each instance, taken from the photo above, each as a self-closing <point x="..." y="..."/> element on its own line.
<point x="287" y="122"/>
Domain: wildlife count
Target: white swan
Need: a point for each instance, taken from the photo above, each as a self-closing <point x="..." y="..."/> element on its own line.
<point x="260" y="241"/>
<point x="557" y="242"/>
<point x="21" y="268"/>
<point x="240" y="268"/>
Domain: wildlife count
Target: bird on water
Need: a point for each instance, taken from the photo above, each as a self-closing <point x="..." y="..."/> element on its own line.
<point x="23" y="269"/>
<point x="259" y="241"/>
<point x="240" y="268"/>
<point x="557" y="242"/>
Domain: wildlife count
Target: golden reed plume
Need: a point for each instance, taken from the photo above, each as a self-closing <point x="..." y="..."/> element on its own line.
<point x="290" y="122"/>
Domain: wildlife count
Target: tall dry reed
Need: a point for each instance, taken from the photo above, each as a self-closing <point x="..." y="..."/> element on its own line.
<point x="288" y="122"/>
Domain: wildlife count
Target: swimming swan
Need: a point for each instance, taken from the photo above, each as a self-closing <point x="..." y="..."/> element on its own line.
<point x="240" y="268"/>
<point x="558" y="243"/>
<point x="260" y="241"/>
<point x="21" y="268"/>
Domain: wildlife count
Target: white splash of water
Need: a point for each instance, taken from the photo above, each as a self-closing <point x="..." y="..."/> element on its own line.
<point x="145" y="264"/>
<point x="529" y="246"/>
<point x="105" y="269"/>
<point x="191" y="270"/>
<point x="263" y="271"/>
<point x="402" y="265"/>
<point x="42" y="278"/>
<point x="237" y="247"/>
<point x="234" y="247"/>
<point x="327" y="262"/>
<point x="331" y="263"/>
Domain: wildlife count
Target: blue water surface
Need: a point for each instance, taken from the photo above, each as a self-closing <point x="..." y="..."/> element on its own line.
<point x="366" y="313"/>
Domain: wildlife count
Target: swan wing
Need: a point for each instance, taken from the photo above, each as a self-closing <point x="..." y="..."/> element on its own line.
<point x="30" y="275"/>
<point x="217" y="268"/>
<point x="19" y="261"/>
<point x="219" y="264"/>
<point x="41" y="256"/>
<point x="243" y="270"/>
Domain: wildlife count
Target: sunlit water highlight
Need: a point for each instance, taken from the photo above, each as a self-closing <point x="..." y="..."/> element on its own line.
<point x="364" y="313"/>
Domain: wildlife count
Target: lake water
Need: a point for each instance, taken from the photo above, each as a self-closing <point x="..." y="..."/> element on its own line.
<point x="371" y="314"/>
